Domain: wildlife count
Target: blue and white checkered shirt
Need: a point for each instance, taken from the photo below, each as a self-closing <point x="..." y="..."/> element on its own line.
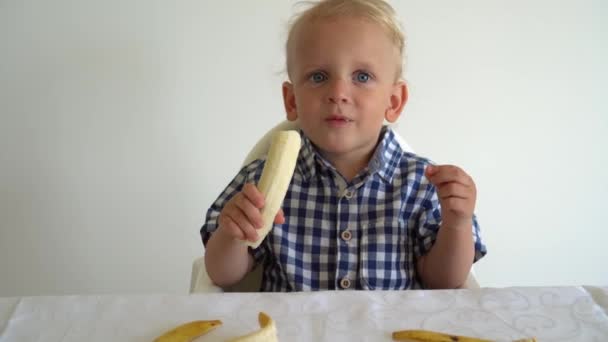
<point x="362" y="234"/>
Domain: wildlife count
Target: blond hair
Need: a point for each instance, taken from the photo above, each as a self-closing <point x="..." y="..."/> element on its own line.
<point x="377" y="11"/>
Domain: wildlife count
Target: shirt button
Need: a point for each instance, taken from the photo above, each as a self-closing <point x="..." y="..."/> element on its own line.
<point x="345" y="283"/>
<point x="349" y="194"/>
<point x="346" y="235"/>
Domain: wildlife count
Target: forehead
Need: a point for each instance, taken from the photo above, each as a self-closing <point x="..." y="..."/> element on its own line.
<point x="343" y="38"/>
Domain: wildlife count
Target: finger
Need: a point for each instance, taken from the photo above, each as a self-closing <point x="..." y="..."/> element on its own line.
<point x="448" y="173"/>
<point x="243" y="224"/>
<point x="280" y="218"/>
<point x="253" y="214"/>
<point x="430" y="170"/>
<point x="453" y="189"/>
<point x="458" y="205"/>
<point x="442" y="171"/>
<point x="254" y="195"/>
<point x="230" y="227"/>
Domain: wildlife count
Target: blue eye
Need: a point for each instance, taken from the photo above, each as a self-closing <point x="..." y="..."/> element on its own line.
<point x="317" y="77"/>
<point x="363" y="77"/>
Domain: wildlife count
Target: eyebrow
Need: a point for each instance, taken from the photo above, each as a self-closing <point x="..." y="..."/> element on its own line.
<point x="358" y="65"/>
<point x="366" y="65"/>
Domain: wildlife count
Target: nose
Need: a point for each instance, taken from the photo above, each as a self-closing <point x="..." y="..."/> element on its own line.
<point x="338" y="92"/>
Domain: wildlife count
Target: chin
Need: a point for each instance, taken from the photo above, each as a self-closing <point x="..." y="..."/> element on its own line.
<point x="335" y="144"/>
<point x="335" y="147"/>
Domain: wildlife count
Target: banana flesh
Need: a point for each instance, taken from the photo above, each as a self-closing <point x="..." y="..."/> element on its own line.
<point x="189" y="331"/>
<point x="276" y="176"/>
<point x="266" y="333"/>
<point x="431" y="336"/>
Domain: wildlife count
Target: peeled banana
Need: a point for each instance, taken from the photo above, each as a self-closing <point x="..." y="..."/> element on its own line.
<point x="276" y="176"/>
<point x="189" y="331"/>
<point x="266" y="333"/>
<point x="431" y="336"/>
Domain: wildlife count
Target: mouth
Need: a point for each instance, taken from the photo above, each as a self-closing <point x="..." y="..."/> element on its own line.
<point x="338" y="119"/>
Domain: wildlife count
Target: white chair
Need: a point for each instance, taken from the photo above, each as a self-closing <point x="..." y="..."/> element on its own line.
<point x="200" y="281"/>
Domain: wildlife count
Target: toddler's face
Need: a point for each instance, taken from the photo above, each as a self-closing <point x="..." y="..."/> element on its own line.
<point x="343" y="83"/>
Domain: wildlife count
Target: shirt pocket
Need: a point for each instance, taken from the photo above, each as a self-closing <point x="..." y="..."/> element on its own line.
<point x="385" y="260"/>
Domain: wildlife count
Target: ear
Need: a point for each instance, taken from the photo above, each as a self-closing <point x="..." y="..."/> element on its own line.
<point x="289" y="100"/>
<point x="397" y="102"/>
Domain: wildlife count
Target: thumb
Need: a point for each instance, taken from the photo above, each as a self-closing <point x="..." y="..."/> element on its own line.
<point x="280" y="218"/>
<point x="431" y="170"/>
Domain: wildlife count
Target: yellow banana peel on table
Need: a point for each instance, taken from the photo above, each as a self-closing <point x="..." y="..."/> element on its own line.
<point x="266" y="333"/>
<point x="189" y="331"/>
<point x="432" y="336"/>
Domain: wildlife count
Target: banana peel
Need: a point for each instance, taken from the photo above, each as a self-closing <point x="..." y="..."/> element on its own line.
<point x="189" y="331"/>
<point x="432" y="336"/>
<point x="266" y="333"/>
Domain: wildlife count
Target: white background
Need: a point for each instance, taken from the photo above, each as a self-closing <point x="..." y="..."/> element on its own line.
<point x="121" y="121"/>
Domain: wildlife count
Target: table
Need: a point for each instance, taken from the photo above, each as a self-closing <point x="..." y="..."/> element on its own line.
<point x="548" y="313"/>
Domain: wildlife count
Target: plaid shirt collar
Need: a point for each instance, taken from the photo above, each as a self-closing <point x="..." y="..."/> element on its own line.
<point x="384" y="161"/>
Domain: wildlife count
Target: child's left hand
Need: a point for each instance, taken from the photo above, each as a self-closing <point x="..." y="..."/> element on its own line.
<point x="457" y="194"/>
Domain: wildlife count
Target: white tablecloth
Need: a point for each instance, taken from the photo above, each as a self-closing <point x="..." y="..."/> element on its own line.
<point x="549" y="314"/>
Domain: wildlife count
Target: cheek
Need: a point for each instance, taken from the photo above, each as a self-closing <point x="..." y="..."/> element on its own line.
<point x="384" y="99"/>
<point x="307" y="100"/>
<point x="375" y="100"/>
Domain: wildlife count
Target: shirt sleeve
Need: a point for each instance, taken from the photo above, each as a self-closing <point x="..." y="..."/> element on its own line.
<point x="248" y="174"/>
<point x="430" y="221"/>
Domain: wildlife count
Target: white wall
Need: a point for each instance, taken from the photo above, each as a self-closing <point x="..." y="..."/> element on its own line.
<point x="121" y="121"/>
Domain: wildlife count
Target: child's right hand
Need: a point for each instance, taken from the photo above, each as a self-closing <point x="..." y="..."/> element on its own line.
<point x="241" y="217"/>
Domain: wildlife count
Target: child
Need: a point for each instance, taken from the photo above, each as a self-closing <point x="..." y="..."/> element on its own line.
<point x="360" y="213"/>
